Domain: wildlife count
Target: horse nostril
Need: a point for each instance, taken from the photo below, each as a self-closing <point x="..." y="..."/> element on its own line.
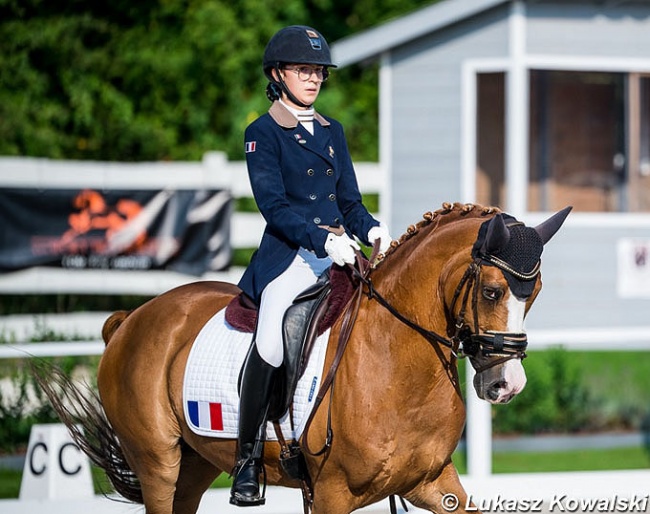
<point x="500" y="384"/>
<point x="495" y="389"/>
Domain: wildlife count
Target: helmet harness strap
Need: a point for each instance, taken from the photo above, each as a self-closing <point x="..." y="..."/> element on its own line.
<point x="286" y="89"/>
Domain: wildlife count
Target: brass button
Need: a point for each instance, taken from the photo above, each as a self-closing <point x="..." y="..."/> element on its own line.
<point x="313" y="196"/>
<point x="332" y="197"/>
<point x="329" y="172"/>
<point x="310" y="172"/>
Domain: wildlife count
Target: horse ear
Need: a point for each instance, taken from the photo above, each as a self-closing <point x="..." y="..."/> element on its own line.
<point x="548" y="228"/>
<point x="497" y="235"/>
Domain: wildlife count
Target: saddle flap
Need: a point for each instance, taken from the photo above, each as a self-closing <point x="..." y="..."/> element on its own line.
<point x="299" y="330"/>
<point x="313" y="311"/>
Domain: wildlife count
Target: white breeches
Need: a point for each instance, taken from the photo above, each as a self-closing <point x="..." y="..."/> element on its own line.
<point x="277" y="298"/>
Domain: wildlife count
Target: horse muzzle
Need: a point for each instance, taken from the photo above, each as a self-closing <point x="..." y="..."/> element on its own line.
<point x="496" y="358"/>
<point x="500" y="383"/>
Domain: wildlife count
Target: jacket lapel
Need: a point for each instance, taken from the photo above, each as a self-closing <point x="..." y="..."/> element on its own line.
<point x="320" y="143"/>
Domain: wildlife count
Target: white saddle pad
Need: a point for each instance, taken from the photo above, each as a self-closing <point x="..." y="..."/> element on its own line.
<point x="210" y="398"/>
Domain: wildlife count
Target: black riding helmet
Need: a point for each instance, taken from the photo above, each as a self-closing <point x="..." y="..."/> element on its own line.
<point x="297" y="44"/>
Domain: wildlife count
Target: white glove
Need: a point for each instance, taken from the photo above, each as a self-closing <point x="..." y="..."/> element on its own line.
<point x="380" y="232"/>
<point x="341" y="248"/>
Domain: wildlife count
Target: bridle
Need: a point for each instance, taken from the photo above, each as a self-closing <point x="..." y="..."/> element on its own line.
<point x="464" y="341"/>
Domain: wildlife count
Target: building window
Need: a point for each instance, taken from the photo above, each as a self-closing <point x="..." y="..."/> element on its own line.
<point x="589" y="141"/>
<point x="577" y="141"/>
<point x="490" y="139"/>
<point x="639" y="142"/>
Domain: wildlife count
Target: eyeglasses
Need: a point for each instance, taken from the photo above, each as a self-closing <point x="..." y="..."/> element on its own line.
<point x="305" y="72"/>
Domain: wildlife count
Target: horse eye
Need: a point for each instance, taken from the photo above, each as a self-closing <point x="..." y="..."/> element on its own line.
<point x="492" y="293"/>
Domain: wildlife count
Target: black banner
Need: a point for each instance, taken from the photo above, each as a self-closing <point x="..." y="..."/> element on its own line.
<point x="183" y="231"/>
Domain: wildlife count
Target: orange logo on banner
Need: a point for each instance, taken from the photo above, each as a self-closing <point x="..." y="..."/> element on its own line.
<point x="95" y="214"/>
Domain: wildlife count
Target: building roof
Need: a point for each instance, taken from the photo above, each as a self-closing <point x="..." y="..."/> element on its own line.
<point x="373" y="42"/>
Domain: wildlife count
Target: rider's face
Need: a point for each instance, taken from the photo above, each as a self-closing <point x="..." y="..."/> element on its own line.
<point x="304" y="85"/>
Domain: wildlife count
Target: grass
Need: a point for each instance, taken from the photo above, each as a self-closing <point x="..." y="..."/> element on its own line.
<point x="575" y="460"/>
<point x="9" y="483"/>
<point x="506" y="462"/>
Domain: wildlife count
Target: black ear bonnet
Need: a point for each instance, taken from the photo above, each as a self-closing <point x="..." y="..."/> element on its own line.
<point x="514" y="248"/>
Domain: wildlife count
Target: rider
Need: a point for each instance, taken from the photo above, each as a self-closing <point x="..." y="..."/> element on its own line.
<point x="305" y="186"/>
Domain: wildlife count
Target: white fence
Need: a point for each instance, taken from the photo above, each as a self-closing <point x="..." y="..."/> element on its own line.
<point x="214" y="171"/>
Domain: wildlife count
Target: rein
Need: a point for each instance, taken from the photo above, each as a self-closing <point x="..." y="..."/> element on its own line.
<point x="464" y="342"/>
<point x="429" y="335"/>
<point x="349" y="318"/>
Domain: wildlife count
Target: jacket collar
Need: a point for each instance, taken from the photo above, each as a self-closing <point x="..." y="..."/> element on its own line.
<point x="283" y="117"/>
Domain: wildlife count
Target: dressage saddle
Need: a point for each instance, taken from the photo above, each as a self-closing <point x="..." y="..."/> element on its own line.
<point x="312" y="312"/>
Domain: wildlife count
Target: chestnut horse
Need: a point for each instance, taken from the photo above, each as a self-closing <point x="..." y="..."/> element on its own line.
<point x="396" y="413"/>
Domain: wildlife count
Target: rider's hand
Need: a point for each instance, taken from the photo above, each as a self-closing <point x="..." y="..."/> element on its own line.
<point x="380" y="232"/>
<point x="341" y="249"/>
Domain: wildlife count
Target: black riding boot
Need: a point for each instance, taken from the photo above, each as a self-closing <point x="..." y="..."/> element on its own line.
<point x="254" y="397"/>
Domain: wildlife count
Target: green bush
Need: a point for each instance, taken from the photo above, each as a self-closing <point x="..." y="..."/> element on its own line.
<point x="555" y="398"/>
<point x="22" y="403"/>
<point x="20" y="410"/>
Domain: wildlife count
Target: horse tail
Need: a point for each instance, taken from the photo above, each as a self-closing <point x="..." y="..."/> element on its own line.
<point x="80" y="409"/>
<point x="112" y="324"/>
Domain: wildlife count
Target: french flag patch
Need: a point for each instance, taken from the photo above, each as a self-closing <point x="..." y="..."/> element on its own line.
<point x="206" y="415"/>
<point x="250" y="146"/>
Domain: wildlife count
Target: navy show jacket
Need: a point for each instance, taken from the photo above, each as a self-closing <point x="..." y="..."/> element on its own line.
<point x="300" y="182"/>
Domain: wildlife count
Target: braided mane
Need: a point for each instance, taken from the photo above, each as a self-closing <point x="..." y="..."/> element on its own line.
<point x="448" y="213"/>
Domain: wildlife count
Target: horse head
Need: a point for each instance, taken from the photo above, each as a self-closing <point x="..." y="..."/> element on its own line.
<point x="487" y="308"/>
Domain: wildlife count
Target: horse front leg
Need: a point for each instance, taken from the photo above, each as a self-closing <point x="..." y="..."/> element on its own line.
<point x="443" y="495"/>
<point x="332" y="499"/>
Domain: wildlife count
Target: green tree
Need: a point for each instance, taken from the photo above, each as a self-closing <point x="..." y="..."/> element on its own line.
<point x="163" y="79"/>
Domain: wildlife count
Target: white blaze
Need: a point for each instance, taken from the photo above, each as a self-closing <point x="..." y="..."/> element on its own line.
<point x="513" y="370"/>
<point x="516" y="311"/>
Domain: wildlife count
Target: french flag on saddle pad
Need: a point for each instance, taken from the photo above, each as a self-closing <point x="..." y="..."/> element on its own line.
<point x="206" y="415"/>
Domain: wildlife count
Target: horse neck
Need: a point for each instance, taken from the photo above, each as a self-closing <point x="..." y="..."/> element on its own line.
<point x="386" y="354"/>
<point x="388" y="363"/>
<point x="412" y="275"/>
<point x="416" y="276"/>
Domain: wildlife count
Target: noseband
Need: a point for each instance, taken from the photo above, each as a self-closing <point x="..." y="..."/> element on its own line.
<point x="464" y="342"/>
